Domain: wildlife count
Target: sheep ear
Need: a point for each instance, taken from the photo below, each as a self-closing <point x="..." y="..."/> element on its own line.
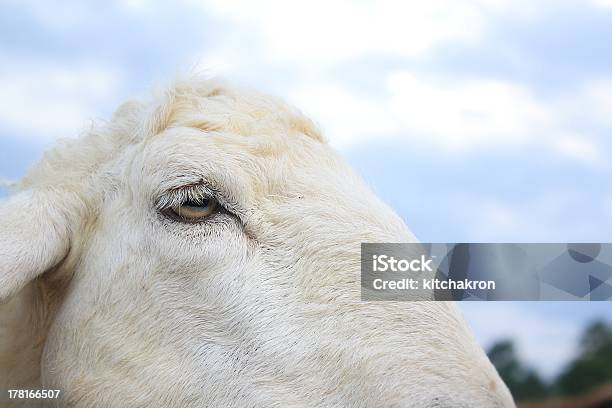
<point x="34" y="237"/>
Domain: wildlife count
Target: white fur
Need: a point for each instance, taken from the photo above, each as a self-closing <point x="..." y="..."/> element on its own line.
<point x="118" y="306"/>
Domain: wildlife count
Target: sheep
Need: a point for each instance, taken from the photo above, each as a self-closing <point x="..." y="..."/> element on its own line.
<point x="202" y="249"/>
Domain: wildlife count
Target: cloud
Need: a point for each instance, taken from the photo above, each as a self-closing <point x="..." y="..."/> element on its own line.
<point x="459" y="114"/>
<point x="317" y="34"/>
<point x="448" y="111"/>
<point x="463" y="113"/>
<point x="545" y="341"/>
<point x="347" y="117"/>
<point x="594" y="101"/>
<point x="580" y="149"/>
<point x="44" y="100"/>
<point x="547" y="216"/>
<point x="607" y="207"/>
<point x="322" y="32"/>
<point x="58" y="16"/>
<point x="602" y="3"/>
<point x="260" y="40"/>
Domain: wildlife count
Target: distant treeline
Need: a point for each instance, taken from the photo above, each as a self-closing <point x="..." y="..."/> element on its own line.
<point x="591" y="368"/>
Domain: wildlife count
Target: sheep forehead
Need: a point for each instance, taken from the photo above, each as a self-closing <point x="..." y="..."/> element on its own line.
<point x="214" y="106"/>
<point x="239" y="129"/>
<point x="265" y="124"/>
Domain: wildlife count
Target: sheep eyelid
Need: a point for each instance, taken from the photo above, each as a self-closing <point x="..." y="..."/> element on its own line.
<point x="176" y="197"/>
<point x="171" y="214"/>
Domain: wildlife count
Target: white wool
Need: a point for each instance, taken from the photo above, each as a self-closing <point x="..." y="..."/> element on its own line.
<point x="116" y="304"/>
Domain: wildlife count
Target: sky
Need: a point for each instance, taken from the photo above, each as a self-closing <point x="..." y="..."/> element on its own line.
<point x="477" y="121"/>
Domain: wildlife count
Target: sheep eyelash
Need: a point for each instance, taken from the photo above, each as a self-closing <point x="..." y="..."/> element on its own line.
<point x="176" y="197"/>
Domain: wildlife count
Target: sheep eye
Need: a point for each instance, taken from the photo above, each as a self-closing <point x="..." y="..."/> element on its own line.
<point x="193" y="211"/>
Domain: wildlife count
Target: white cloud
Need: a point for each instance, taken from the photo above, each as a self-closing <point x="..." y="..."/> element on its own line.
<point x="602" y="3"/>
<point x="135" y="6"/>
<point x="323" y="32"/>
<point x="455" y="114"/>
<point x="348" y="118"/>
<point x="60" y="16"/>
<point x="607" y="206"/>
<point x="43" y="100"/>
<point x="306" y="38"/>
<point x="496" y="219"/>
<point x="544" y="341"/>
<point x="317" y="34"/>
<point x="547" y="217"/>
<point x="580" y="149"/>
<point x="463" y="113"/>
<point x="466" y="114"/>
<point x="595" y="101"/>
<point x="448" y="112"/>
<point x="553" y="214"/>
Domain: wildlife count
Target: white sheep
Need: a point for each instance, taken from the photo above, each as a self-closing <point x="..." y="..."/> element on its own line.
<point x="202" y="249"/>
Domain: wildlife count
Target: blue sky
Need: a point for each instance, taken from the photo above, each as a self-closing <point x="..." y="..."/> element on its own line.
<point x="483" y="120"/>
